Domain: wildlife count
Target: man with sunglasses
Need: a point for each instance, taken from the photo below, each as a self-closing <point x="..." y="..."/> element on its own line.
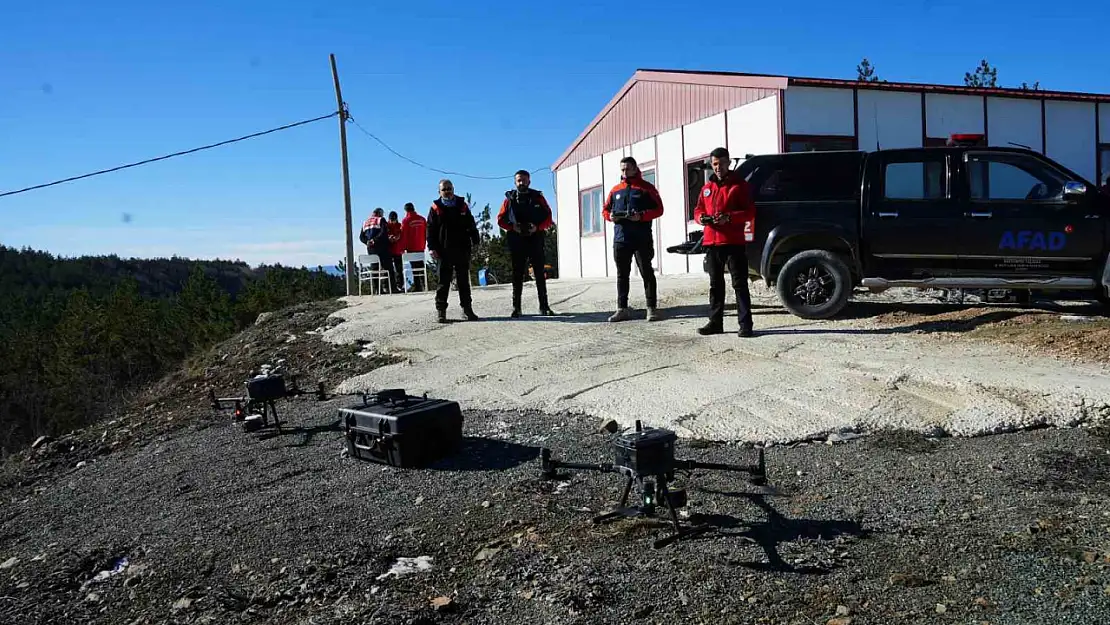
<point x="452" y="232"/>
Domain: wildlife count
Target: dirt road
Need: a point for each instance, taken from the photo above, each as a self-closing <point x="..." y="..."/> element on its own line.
<point x="797" y="380"/>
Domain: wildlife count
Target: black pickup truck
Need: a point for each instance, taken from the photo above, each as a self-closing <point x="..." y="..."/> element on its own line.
<point x="957" y="217"/>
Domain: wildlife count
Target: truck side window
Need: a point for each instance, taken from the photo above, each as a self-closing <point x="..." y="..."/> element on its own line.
<point x="813" y="178"/>
<point x="1004" y="176"/>
<point x="915" y="180"/>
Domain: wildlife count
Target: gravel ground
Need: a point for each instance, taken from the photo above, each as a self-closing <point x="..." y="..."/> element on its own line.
<point x="222" y="526"/>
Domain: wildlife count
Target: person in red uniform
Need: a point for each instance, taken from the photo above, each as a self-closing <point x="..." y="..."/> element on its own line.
<point x="724" y="204"/>
<point x="631" y="206"/>
<point x="375" y="234"/>
<point x="414" y="230"/>
<point x="524" y="216"/>
<point x="396" y="248"/>
<point x="452" y="235"/>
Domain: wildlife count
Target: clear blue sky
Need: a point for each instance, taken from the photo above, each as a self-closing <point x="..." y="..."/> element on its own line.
<point x="484" y="88"/>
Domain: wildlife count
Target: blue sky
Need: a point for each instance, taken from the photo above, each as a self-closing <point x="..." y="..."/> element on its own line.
<point x="480" y="88"/>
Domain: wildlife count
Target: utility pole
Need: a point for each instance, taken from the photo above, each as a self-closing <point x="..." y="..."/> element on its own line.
<point x="352" y="287"/>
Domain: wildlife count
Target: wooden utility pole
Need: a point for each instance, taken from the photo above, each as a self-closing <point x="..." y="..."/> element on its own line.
<point x="352" y="286"/>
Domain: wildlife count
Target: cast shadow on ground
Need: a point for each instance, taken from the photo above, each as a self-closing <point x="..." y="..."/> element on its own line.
<point x="775" y="530"/>
<point x="306" y="434"/>
<point x="699" y="311"/>
<point x="487" y="454"/>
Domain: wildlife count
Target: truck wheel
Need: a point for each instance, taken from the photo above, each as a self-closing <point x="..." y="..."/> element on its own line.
<point x="814" y="284"/>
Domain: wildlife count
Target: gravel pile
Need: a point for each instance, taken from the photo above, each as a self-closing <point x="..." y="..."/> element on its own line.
<point x="214" y="525"/>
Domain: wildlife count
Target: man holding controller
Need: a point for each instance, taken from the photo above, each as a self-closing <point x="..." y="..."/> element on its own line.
<point x="724" y="205"/>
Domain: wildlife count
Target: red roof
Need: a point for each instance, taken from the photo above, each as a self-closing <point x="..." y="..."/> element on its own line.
<point x="716" y="88"/>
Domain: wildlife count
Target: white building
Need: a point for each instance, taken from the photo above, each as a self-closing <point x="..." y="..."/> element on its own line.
<point x="669" y="121"/>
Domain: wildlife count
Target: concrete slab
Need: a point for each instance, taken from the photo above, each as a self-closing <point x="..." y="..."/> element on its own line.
<point x="798" y="380"/>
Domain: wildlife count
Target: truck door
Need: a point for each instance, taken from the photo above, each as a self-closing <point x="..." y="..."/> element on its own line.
<point x="911" y="218"/>
<point x="1018" y="220"/>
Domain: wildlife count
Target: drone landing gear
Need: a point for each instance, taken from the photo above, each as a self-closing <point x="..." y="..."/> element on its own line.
<point x="654" y="497"/>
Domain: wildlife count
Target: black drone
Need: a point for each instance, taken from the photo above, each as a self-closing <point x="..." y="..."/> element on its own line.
<point x="257" y="407"/>
<point x="646" y="455"/>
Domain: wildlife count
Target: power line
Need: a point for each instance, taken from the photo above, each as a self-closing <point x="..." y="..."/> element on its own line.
<point x="168" y="156"/>
<point x="423" y="166"/>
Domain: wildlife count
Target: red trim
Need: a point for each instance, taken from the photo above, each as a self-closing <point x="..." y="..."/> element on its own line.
<point x="1044" y="132"/>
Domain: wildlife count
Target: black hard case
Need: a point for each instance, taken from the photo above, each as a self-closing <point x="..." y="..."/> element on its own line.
<point x="397" y="429"/>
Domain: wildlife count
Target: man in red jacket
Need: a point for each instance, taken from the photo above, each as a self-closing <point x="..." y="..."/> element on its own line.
<point x="396" y="248"/>
<point x="631" y="206"/>
<point x="525" y="216"/>
<point x="725" y="204"/>
<point x="414" y="233"/>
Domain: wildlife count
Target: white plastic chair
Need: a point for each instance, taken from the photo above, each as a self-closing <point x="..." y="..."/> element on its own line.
<point x="370" y="270"/>
<point x="408" y="258"/>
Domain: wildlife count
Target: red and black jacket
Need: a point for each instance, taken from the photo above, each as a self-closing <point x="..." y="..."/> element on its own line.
<point x="632" y="195"/>
<point x="731" y="196"/>
<point x="530" y="207"/>
<point x="451" y="229"/>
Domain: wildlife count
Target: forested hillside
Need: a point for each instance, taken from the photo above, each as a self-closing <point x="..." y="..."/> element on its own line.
<point x="76" y="334"/>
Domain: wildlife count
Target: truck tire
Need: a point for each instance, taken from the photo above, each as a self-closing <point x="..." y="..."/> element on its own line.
<point x="814" y="284"/>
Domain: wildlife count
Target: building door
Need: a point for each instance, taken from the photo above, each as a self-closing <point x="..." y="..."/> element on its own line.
<point x="1018" y="221"/>
<point x="911" y="221"/>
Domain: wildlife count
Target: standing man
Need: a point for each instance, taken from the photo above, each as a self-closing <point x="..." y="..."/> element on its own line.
<point x="375" y="234"/>
<point x="724" y="205"/>
<point x="396" y="248"/>
<point x="451" y="233"/>
<point x="631" y="206"/>
<point x="525" y="216"/>
<point x="414" y="235"/>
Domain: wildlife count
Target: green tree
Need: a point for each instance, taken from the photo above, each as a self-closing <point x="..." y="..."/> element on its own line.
<point x="203" y="311"/>
<point x="865" y="72"/>
<point x="983" y="76"/>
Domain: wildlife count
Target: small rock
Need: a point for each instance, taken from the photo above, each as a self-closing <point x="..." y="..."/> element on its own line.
<point x="842" y="610"/>
<point x="643" y="612"/>
<point x="263" y="317"/>
<point x="682" y="598"/>
<point x="131" y="582"/>
<point x="40" y="441"/>
<point x="982" y="602"/>
<point x="80" y="464"/>
<point x="840" y="620"/>
<point x="1090" y="557"/>
<point x="420" y="500"/>
<point x="9" y="563"/>
<point x="485" y="504"/>
<point x="182" y="604"/>
<point x="951" y="579"/>
<point x="1084" y="501"/>
<point x="941" y="608"/>
<point x="444" y="604"/>
<point x="485" y="553"/>
<point x="800" y="473"/>
<point x="93" y="597"/>
<point x="609" y="426"/>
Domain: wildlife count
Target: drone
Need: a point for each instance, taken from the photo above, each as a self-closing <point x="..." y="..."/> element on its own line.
<point x="646" y="456"/>
<point x="257" y="408"/>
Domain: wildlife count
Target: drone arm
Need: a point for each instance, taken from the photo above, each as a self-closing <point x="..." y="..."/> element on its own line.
<point x="758" y="470"/>
<point x="549" y="466"/>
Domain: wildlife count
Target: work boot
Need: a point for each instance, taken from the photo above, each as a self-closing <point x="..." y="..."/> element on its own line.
<point x="441" y="316"/>
<point x="471" y="315"/>
<point x="745" y="333"/>
<point x="516" y="312"/>
<point x="622" y="314"/>
<point x="711" y="328"/>
<point x="653" y="314"/>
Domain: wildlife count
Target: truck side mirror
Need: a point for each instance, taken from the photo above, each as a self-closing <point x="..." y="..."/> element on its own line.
<point x="1074" y="190"/>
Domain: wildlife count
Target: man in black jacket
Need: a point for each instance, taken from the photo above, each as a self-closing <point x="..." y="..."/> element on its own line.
<point x="525" y="216"/>
<point x="451" y="233"/>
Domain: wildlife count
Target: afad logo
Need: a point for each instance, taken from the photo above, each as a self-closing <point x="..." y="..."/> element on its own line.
<point x="1030" y="240"/>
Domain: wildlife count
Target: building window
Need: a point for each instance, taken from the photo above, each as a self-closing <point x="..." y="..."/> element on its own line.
<point x="590" y="203"/>
<point x="915" y="180"/>
<point x="649" y="175"/>
<point x="697" y="174"/>
<point x="819" y="143"/>
<point x="1012" y="177"/>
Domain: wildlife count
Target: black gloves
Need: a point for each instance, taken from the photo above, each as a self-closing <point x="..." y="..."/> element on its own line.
<point x="705" y="220"/>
